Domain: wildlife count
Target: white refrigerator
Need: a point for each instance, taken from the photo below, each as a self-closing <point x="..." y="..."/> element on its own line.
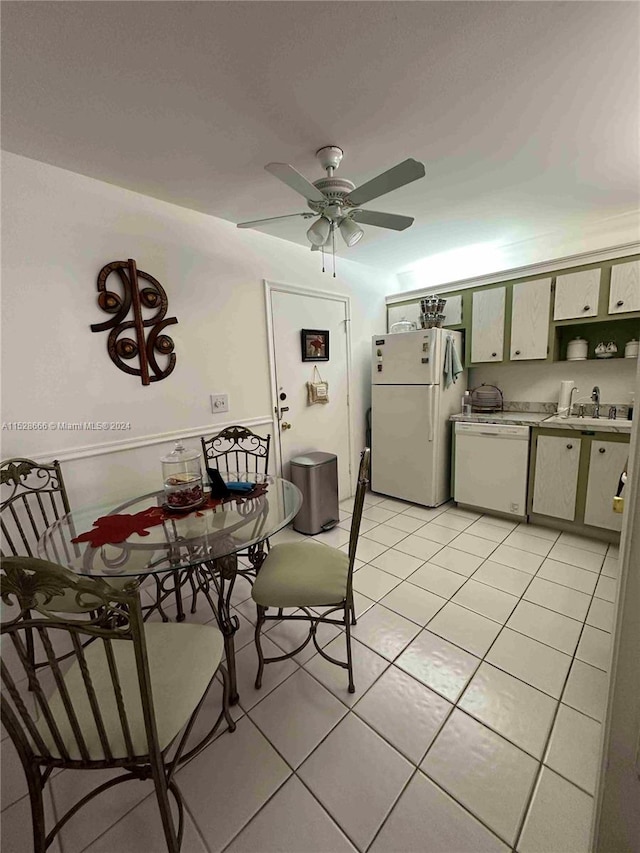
<point x="410" y="411"/>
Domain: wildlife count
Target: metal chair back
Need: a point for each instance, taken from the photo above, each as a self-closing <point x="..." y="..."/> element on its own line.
<point x="50" y="736"/>
<point x="358" y="505"/>
<point x="236" y="448"/>
<point x="32" y="497"/>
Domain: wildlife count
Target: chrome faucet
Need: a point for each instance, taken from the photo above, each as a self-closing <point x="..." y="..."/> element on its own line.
<point x="595" y="396"/>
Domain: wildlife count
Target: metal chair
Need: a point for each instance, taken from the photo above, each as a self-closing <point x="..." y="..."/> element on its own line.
<point x="33" y="497"/>
<point x="307" y="575"/>
<point x="238" y="449"/>
<point x="127" y="698"/>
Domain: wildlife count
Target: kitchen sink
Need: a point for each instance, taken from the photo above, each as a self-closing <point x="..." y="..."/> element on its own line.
<point x="592" y="423"/>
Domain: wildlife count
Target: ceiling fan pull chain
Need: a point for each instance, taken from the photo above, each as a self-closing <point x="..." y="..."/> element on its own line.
<point x="333" y="246"/>
<point x="322" y="250"/>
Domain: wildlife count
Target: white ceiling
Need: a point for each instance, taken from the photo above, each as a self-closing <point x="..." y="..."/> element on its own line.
<point x="525" y="114"/>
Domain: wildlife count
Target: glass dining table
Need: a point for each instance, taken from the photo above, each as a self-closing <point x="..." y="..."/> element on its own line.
<point x="142" y="538"/>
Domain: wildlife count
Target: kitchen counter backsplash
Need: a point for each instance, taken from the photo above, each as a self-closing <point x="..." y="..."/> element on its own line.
<point x="622" y="409"/>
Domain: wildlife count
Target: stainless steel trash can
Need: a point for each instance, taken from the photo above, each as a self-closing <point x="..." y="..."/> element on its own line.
<point x="316" y="475"/>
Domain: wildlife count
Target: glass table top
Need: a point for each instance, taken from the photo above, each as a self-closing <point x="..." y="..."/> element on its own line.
<point x="180" y="541"/>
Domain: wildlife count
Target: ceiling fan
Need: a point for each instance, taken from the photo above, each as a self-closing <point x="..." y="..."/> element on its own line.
<point x="335" y="202"/>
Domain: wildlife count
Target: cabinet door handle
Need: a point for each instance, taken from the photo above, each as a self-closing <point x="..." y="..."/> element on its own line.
<point x="602" y="450"/>
<point x="569" y="446"/>
<point x="587" y="308"/>
<point x="517" y="352"/>
<point x="494" y="354"/>
<point x="620" y="303"/>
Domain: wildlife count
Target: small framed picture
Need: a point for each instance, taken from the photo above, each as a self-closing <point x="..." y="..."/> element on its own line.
<point x="315" y="345"/>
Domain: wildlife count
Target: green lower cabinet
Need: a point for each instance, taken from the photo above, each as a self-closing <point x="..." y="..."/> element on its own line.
<point x="573" y="478"/>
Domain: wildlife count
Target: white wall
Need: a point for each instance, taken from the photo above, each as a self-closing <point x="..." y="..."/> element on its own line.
<point x="59" y="229"/>
<point x="487" y="258"/>
<point x="540" y="381"/>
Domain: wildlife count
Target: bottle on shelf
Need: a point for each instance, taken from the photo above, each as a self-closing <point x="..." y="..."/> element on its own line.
<point x="466" y="403"/>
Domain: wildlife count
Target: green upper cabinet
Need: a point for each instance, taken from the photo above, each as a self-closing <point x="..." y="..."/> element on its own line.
<point x="577" y="295"/>
<point x="530" y="320"/>
<point x="624" y="294"/>
<point x="487" y="325"/>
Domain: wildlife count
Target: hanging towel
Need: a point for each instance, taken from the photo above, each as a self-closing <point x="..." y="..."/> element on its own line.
<point x="452" y="366"/>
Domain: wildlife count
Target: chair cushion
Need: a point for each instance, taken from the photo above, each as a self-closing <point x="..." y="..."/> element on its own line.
<point x="67" y="603"/>
<point x="301" y="574"/>
<point x="183" y="659"/>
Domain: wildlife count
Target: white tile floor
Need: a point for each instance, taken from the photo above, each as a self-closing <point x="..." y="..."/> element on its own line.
<point x="481" y="658"/>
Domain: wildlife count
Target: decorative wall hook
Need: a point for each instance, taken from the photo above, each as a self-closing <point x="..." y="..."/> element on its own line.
<point x="135" y="299"/>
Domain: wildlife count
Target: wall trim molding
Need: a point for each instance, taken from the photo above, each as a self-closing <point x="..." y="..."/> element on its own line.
<point x="84" y="452"/>
<point x="593" y="257"/>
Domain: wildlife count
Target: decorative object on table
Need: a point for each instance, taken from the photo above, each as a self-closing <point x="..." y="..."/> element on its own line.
<point x="122" y="349"/>
<point x="606" y="350"/>
<point x="118" y="527"/>
<point x="315" y="344"/>
<point x="218" y="486"/>
<point x="305" y="575"/>
<point x="317" y="389"/>
<point x="402" y="325"/>
<point x="182" y="478"/>
<point x="487" y="398"/>
<point x="577" y="349"/>
<point x="432" y="312"/>
<point x="336" y="201"/>
<point x="126" y="692"/>
<point x="631" y="349"/>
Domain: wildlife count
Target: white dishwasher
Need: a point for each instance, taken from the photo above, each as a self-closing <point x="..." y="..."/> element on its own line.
<point x="491" y="466"/>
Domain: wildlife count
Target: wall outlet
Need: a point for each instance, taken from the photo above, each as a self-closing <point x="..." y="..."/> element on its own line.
<point x="219" y="403"/>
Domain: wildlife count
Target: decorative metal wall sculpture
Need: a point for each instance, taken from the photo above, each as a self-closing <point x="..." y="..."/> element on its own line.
<point x="136" y="299"/>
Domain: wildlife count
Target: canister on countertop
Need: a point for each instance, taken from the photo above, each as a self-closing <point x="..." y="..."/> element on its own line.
<point x="631" y="349"/>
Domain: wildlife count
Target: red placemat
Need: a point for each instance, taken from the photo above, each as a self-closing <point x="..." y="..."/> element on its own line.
<point x="112" y="529"/>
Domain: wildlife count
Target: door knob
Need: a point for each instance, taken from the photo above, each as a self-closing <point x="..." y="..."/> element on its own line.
<point x="284" y="425"/>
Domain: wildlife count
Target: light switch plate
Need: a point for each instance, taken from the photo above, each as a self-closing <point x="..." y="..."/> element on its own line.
<point x="219" y="403"/>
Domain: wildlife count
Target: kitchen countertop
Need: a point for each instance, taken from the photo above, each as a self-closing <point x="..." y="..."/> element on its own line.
<point x="553" y="422"/>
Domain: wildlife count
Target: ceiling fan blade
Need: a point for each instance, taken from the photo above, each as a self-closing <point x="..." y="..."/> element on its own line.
<point x="255" y="222"/>
<point x="382" y="220"/>
<point x="404" y="173"/>
<point x="292" y="178"/>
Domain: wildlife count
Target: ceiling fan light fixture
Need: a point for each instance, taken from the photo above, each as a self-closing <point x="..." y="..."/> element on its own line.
<point x="319" y="232"/>
<point x="351" y="232"/>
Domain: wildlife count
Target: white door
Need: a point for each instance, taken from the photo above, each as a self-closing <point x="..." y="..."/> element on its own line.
<point x="404" y="441"/>
<point x="487" y="325"/>
<point x="530" y="319"/>
<point x="625" y="288"/>
<point x="322" y="426"/>
<point x="556" y="477"/>
<point x="606" y="464"/>
<point x="577" y="295"/>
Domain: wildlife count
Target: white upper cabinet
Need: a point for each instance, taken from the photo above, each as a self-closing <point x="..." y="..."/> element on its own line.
<point x="607" y="462"/>
<point x="530" y="319"/>
<point x="409" y="311"/>
<point x="453" y="310"/>
<point x="625" y="288"/>
<point x="577" y="295"/>
<point x="487" y="325"/>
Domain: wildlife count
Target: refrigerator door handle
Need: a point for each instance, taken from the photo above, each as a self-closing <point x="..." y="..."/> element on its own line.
<point x="432" y="414"/>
